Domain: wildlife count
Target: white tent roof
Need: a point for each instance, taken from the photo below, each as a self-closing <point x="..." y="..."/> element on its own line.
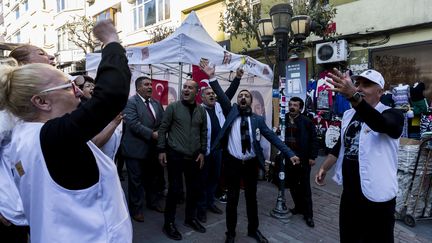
<point x="188" y="44"/>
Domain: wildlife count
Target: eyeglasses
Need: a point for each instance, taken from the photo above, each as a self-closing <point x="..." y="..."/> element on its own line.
<point x="70" y="84"/>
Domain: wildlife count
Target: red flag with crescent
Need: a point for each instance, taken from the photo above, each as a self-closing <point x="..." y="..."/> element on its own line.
<point x="160" y="91"/>
<point x="198" y="75"/>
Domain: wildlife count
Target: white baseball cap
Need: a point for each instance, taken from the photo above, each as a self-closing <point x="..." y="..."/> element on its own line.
<point x="372" y="76"/>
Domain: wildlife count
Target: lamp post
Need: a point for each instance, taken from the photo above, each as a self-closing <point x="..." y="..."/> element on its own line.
<point x="286" y="29"/>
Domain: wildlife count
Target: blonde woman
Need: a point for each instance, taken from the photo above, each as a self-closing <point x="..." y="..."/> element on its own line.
<point x="69" y="189"/>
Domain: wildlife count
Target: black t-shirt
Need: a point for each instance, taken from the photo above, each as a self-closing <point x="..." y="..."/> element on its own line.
<point x="350" y="165"/>
<point x="388" y="122"/>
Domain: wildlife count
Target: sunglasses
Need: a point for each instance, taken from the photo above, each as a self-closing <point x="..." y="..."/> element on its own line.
<point x="70" y="84"/>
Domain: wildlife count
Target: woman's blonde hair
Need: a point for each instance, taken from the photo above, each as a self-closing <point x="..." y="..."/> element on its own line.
<point x="18" y="84"/>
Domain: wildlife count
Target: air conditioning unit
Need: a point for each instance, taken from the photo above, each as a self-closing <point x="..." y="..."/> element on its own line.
<point x="335" y="51"/>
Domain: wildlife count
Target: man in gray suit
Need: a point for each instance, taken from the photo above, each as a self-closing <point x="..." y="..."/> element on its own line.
<point x="142" y="119"/>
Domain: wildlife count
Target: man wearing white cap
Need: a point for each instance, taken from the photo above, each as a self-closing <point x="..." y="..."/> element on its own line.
<point x="366" y="159"/>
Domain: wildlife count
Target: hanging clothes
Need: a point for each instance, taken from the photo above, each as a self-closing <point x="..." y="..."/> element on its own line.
<point x="401" y="95"/>
<point x="340" y="104"/>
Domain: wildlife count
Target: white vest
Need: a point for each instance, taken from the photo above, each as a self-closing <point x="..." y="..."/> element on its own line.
<point x="10" y="201"/>
<point x="96" y="214"/>
<point x="221" y="118"/>
<point x="111" y="146"/>
<point x="377" y="160"/>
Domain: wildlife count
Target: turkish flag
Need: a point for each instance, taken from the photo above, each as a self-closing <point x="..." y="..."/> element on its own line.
<point x="198" y="75"/>
<point x="160" y="91"/>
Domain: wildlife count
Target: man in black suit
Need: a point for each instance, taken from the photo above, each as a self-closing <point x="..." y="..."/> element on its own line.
<point x="240" y="136"/>
<point x="142" y="119"/>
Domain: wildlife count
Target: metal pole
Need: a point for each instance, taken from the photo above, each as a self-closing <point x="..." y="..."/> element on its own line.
<point x="180" y="81"/>
<point x="281" y="211"/>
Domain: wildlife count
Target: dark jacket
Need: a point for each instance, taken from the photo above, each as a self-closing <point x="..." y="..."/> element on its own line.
<point x="137" y="137"/>
<point x="258" y="128"/>
<point x="306" y="137"/>
<point x="182" y="133"/>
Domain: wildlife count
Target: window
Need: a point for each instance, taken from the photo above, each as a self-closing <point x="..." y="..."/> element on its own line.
<point x="16" y="38"/>
<point x="25" y="4"/>
<point x="63" y="43"/>
<point x="107" y="14"/>
<point x="60" y="40"/>
<point x="69" y="4"/>
<point x="148" y="12"/>
<point x="60" y="5"/>
<point x="17" y="13"/>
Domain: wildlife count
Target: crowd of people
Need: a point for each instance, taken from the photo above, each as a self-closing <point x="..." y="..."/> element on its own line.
<point x="62" y="134"/>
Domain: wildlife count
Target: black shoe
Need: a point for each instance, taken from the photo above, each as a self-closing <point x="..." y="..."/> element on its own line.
<point x="258" y="236"/>
<point x="202" y="216"/>
<point x="171" y="231"/>
<point x="309" y="222"/>
<point x="195" y="225"/>
<point x="214" y="209"/>
<point x="230" y="239"/>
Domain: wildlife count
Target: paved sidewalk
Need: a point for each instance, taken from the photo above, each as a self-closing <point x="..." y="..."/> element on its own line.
<point x="326" y="206"/>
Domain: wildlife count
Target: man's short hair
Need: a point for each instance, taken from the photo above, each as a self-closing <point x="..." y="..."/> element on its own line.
<point x="139" y="80"/>
<point x="195" y="84"/>
<point x="203" y="89"/>
<point x="298" y="99"/>
<point x="250" y="94"/>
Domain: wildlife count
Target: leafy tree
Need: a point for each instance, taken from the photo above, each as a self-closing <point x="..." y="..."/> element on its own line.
<point x="159" y="33"/>
<point x="79" y="31"/>
<point x="241" y="17"/>
<point x="241" y="20"/>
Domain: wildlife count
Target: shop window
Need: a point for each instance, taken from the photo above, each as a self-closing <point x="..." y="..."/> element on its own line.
<point x="405" y="64"/>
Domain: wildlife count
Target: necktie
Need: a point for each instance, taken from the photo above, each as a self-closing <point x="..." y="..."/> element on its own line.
<point x="245" y="136"/>
<point x="147" y="102"/>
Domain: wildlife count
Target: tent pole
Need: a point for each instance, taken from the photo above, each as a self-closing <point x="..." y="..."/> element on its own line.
<point x="180" y="81"/>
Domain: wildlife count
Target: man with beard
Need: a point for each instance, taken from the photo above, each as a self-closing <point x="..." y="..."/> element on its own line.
<point x="240" y="135"/>
<point x="143" y="116"/>
<point x="300" y="136"/>
<point x="213" y="160"/>
<point x="182" y="144"/>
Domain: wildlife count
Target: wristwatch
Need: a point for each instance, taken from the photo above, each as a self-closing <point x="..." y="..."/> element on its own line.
<point x="356" y="97"/>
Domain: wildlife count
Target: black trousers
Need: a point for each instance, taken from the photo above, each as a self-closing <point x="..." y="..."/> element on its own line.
<point x="178" y="164"/>
<point x="14" y="234"/>
<point x="361" y="220"/>
<point x="235" y="170"/>
<point x="209" y="179"/>
<point x="298" y="178"/>
<point x="143" y="175"/>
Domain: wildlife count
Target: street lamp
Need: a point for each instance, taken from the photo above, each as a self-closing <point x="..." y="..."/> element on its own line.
<point x="265" y="31"/>
<point x="286" y="29"/>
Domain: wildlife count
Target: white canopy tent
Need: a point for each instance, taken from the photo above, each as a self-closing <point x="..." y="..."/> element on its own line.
<point x="172" y="58"/>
